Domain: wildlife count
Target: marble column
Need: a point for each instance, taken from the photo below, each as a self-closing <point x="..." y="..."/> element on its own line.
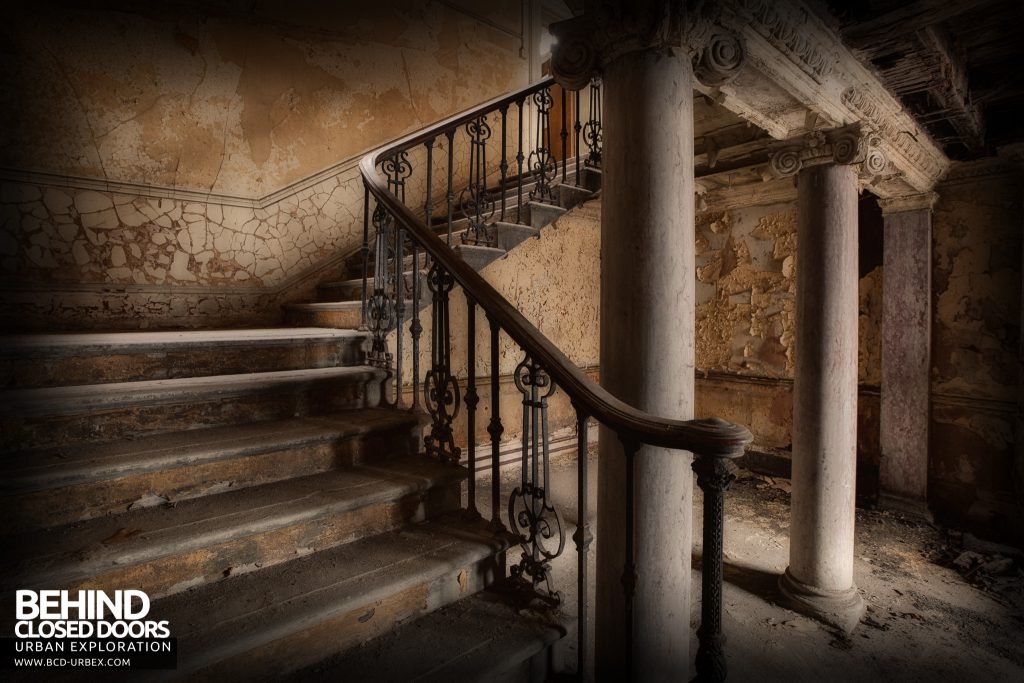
<point x="906" y="352"/>
<point x="819" y="579"/>
<point x="647" y="58"/>
<point x="647" y="358"/>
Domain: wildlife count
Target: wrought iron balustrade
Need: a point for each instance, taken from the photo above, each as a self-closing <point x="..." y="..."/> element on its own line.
<point x="476" y="188"/>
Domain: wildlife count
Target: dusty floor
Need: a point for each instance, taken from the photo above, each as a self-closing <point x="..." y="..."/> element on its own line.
<point x="942" y="606"/>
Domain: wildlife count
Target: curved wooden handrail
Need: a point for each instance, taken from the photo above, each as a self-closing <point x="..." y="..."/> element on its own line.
<point x="714" y="437"/>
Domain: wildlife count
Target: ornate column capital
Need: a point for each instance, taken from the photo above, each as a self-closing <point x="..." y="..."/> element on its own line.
<point x="611" y="29"/>
<point x="853" y="145"/>
<point x="915" y="202"/>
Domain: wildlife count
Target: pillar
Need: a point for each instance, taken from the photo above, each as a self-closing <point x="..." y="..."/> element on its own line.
<point x="906" y="353"/>
<point x="819" y="579"/>
<point x="647" y="357"/>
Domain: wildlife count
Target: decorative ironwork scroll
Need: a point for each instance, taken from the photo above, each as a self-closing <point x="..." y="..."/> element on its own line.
<point x="476" y="203"/>
<point x="440" y="387"/>
<point x="541" y="161"/>
<point x="381" y="310"/>
<point x="531" y="514"/>
<point x="592" y="128"/>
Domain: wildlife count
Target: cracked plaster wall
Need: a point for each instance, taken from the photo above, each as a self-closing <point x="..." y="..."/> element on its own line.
<point x="554" y="281"/>
<point x="975" y="339"/>
<point x="177" y="164"/>
<point x="746" y="287"/>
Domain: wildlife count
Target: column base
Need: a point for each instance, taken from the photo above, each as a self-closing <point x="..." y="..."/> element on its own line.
<point x="842" y="609"/>
<point x="911" y="507"/>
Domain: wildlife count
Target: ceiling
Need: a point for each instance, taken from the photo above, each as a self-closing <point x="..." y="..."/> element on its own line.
<point x="956" y="65"/>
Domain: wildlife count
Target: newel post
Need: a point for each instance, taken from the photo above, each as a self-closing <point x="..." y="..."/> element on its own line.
<point x="715" y="473"/>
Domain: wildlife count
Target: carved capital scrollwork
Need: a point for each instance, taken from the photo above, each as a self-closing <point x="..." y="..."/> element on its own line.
<point x="720" y="60"/>
<point x="850" y="145"/>
<point x="609" y="30"/>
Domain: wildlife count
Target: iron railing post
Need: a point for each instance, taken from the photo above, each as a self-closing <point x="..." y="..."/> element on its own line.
<point x="714" y="475"/>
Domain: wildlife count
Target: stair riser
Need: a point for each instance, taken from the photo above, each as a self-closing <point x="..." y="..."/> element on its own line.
<point x="544" y="214"/>
<point x="180" y="569"/>
<point x="109" y="423"/>
<point x="342" y="320"/>
<point x="78" y="502"/>
<point x="353" y="290"/>
<point x="61" y="370"/>
<point x="349" y="629"/>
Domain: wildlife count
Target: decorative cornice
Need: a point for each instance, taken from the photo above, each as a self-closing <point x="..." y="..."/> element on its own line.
<point x="788" y="28"/>
<point x="810" y="67"/>
<point x="848" y="145"/>
<point x="915" y="202"/>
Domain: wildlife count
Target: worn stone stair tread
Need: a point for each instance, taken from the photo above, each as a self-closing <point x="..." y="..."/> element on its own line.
<point x="478" y="638"/>
<point x="96" y="343"/>
<point x="244" y="615"/>
<point x="84" y="398"/>
<point x="72" y="552"/>
<point x="66" y="466"/>
<point x="353" y="287"/>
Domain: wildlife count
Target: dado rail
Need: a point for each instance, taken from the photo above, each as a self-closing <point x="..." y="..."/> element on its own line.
<point x="536" y="143"/>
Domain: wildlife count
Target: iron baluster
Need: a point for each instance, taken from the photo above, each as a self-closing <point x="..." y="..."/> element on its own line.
<point x="451" y="193"/>
<point x="583" y="538"/>
<point x="564" y="134"/>
<point x="714" y="476"/>
<point x="531" y="514"/>
<point x="471" y="402"/>
<point x="592" y="129"/>
<point x="503" y="167"/>
<point x="399" y="309"/>
<point x="365" y="251"/>
<point x="541" y="161"/>
<point x="476" y="203"/>
<point x="440" y="388"/>
<point x="380" y="309"/>
<point x="495" y="430"/>
<point x="519" y="164"/>
<point x="415" y="328"/>
<point x="577" y="127"/>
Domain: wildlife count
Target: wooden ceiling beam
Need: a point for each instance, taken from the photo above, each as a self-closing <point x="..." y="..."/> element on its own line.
<point x="912" y="16"/>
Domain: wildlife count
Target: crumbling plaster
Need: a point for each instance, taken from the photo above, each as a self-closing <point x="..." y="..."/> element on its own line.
<point x="975" y="337"/>
<point x="239" y="102"/>
<point x="177" y="167"/>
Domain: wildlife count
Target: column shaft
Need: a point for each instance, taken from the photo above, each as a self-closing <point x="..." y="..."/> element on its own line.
<point x="647" y="357"/>
<point x="906" y="358"/>
<point x="820" y="575"/>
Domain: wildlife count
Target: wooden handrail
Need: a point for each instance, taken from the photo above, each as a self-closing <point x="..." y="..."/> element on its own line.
<point x="713" y="436"/>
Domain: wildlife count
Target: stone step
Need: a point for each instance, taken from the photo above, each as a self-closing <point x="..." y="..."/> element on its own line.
<point x="341" y="314"/>
<point x="54" y="416"/>
<point x="477" y="256"/>
<point x="479" y="638"/>
<point x="167" y="549"/>
<point x="570" y="196"/>
<point x="542" y="214"/>
<point x="265" y="625"/>
<point x="54" y="486"/>
<point x="590" y="178"/>
<point x="66" y="359"/>
<point x="354" y="269"/>
<point x="336" y="314"/>
<point x="352" y="290"/>
<point x="510" y="235"/>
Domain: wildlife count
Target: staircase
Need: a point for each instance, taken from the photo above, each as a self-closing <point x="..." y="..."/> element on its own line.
<point x="257" y="486"/>
<point x="339" y="302"/>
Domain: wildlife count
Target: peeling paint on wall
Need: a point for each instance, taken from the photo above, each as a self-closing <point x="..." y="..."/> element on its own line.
<point x="976" y="331"/>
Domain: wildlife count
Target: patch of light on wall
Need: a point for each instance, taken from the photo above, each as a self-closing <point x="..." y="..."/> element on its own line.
<point x="547" y="41"/>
